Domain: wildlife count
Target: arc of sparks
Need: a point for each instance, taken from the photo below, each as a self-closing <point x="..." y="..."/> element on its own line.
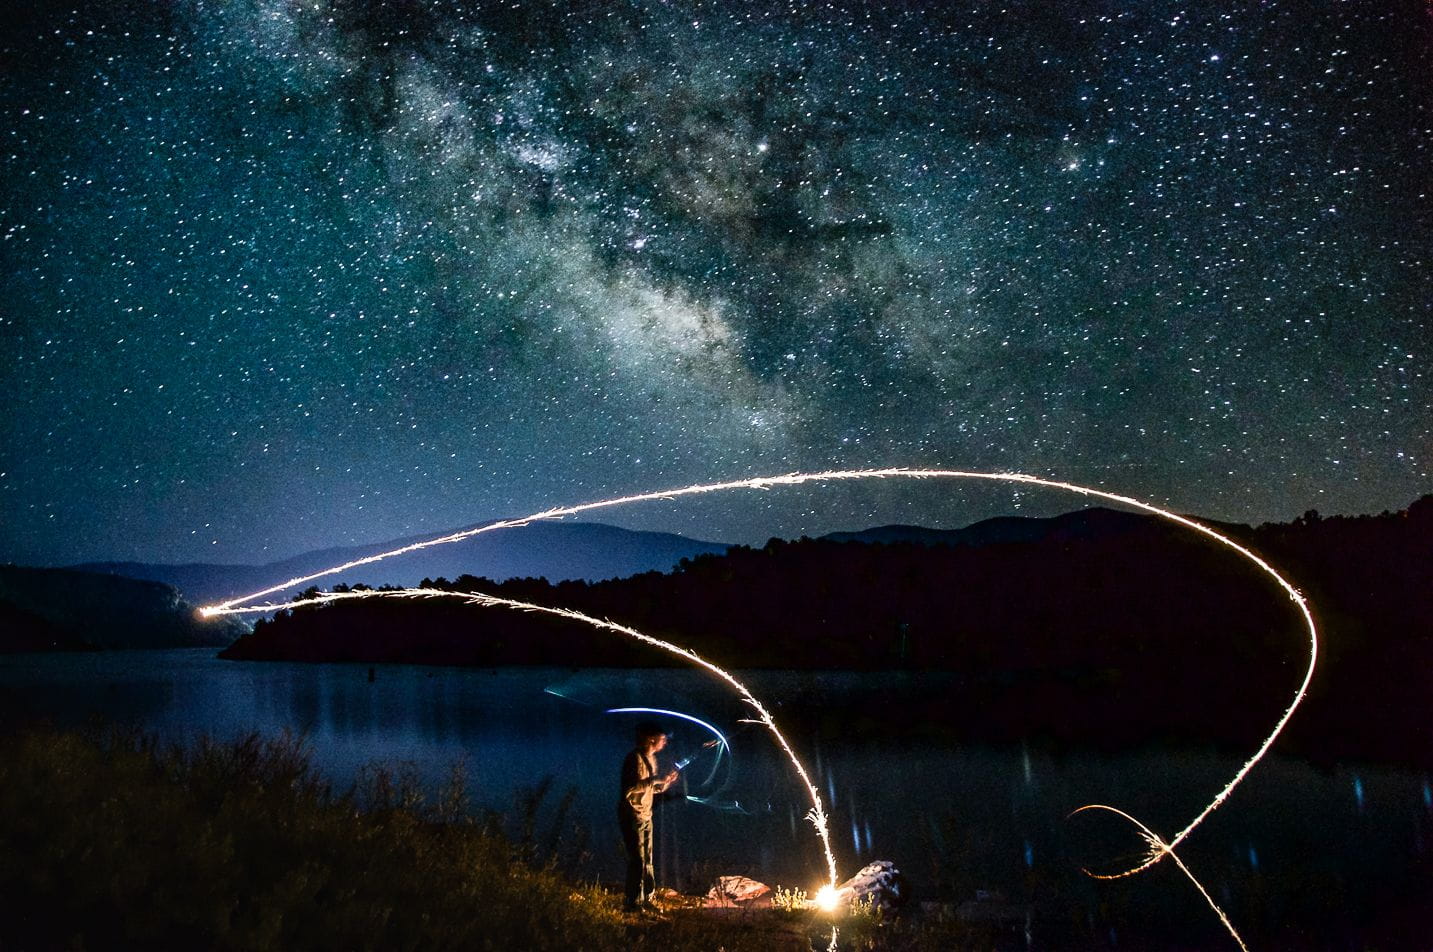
<point x="1158" y="849"/>
<point x="817" y="815"/>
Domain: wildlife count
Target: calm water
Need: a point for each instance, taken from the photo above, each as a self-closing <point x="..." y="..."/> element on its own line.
<point x="1296" y="852"/>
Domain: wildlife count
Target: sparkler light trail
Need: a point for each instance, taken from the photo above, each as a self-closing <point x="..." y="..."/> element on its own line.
<point x="817" y="816"/>
<point x="685" y="761"/>
<point x="1160" y="847"/>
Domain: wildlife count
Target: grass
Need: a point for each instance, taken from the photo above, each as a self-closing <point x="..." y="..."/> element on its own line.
<point x="113" y="841"/>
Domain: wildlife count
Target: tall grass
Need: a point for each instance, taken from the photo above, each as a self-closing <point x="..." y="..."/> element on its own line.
<point x="117" y="842"/>
<point x="110" y="840"/>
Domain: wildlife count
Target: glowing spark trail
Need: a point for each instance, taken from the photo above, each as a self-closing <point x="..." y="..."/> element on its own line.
<point x="685" y="761"/>
<point x="1160" y="848"/>
<point x="763" y="717"/>
<point x="658" y="710"/>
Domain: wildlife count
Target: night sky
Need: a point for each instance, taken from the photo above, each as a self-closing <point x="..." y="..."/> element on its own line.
<point x="283" y="274"/>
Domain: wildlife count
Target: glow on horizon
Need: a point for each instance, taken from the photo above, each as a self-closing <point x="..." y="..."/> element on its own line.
<point x="1160" y="848"/>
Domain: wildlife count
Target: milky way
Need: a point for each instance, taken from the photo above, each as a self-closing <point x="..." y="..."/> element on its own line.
<point x="290" y="273"/>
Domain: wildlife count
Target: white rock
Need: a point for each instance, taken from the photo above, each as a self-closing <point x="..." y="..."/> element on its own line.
<point x="880" y="883"/>
<point x="737" y="889"/>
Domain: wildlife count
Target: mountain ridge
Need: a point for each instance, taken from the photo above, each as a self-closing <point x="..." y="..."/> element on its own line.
<point x="558" y="551"/>
<point x="589" y="551"/>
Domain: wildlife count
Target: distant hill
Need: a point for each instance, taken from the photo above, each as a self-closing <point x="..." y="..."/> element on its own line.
<point x="561" y="551"/>
<point x="1092" y="523"/>
<point x="63" y="609"/>
<point x="557" y="551"/>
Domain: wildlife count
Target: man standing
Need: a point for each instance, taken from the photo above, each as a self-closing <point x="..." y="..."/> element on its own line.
<point x="640" y="784"/>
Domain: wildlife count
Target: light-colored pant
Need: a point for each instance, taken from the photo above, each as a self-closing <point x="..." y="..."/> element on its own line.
<point x="637" y="837"/>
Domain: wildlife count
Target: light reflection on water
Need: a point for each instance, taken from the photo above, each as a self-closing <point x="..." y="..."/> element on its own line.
<point x="956" y="819"/>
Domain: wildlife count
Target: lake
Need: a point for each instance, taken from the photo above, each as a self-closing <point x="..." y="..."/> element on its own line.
<point x="1297" y="853"/>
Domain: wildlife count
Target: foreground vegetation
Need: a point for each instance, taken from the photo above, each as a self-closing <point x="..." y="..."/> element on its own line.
<point x="114" y="842"/>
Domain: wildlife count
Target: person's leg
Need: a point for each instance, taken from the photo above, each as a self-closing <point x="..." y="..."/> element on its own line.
<point x="631" y="839"/>
<point x="649" y="875"/>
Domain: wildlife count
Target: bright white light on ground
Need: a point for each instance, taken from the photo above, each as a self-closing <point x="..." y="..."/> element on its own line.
<point x="827" y="898"/>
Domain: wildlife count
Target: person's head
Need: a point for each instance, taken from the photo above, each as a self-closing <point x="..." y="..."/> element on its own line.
<point x="650" y="736"/>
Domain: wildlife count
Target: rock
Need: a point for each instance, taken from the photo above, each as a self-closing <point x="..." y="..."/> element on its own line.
<point x="736" y="889"/>
<point x="878" y="883"/>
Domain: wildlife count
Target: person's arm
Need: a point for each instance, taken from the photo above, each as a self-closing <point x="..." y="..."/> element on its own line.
<point x="633" y="783"/>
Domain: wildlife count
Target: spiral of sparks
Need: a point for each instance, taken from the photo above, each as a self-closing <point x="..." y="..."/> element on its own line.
<point x="1159" y="847"/>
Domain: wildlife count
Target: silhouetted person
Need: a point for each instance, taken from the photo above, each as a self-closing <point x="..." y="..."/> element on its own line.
<point x="640" y="784"/>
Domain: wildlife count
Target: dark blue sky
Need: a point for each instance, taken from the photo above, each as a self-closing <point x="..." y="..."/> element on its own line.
<point x="282" y="274"/>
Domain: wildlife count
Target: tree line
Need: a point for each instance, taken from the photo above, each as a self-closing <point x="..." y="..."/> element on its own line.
<point x="1133" y="622"/>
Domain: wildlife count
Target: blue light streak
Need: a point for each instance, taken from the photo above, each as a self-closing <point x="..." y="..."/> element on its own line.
<point x="682" y="764"/>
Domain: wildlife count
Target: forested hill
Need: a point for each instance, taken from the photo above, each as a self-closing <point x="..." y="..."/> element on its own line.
<point x="62" y="610"/>
<point x="1128" y="614"/>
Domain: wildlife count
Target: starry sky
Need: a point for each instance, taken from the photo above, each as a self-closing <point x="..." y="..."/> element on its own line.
<point x="284" y="274"/>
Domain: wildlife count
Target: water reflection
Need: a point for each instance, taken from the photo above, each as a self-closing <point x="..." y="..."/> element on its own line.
<point x="956" y="819"/>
